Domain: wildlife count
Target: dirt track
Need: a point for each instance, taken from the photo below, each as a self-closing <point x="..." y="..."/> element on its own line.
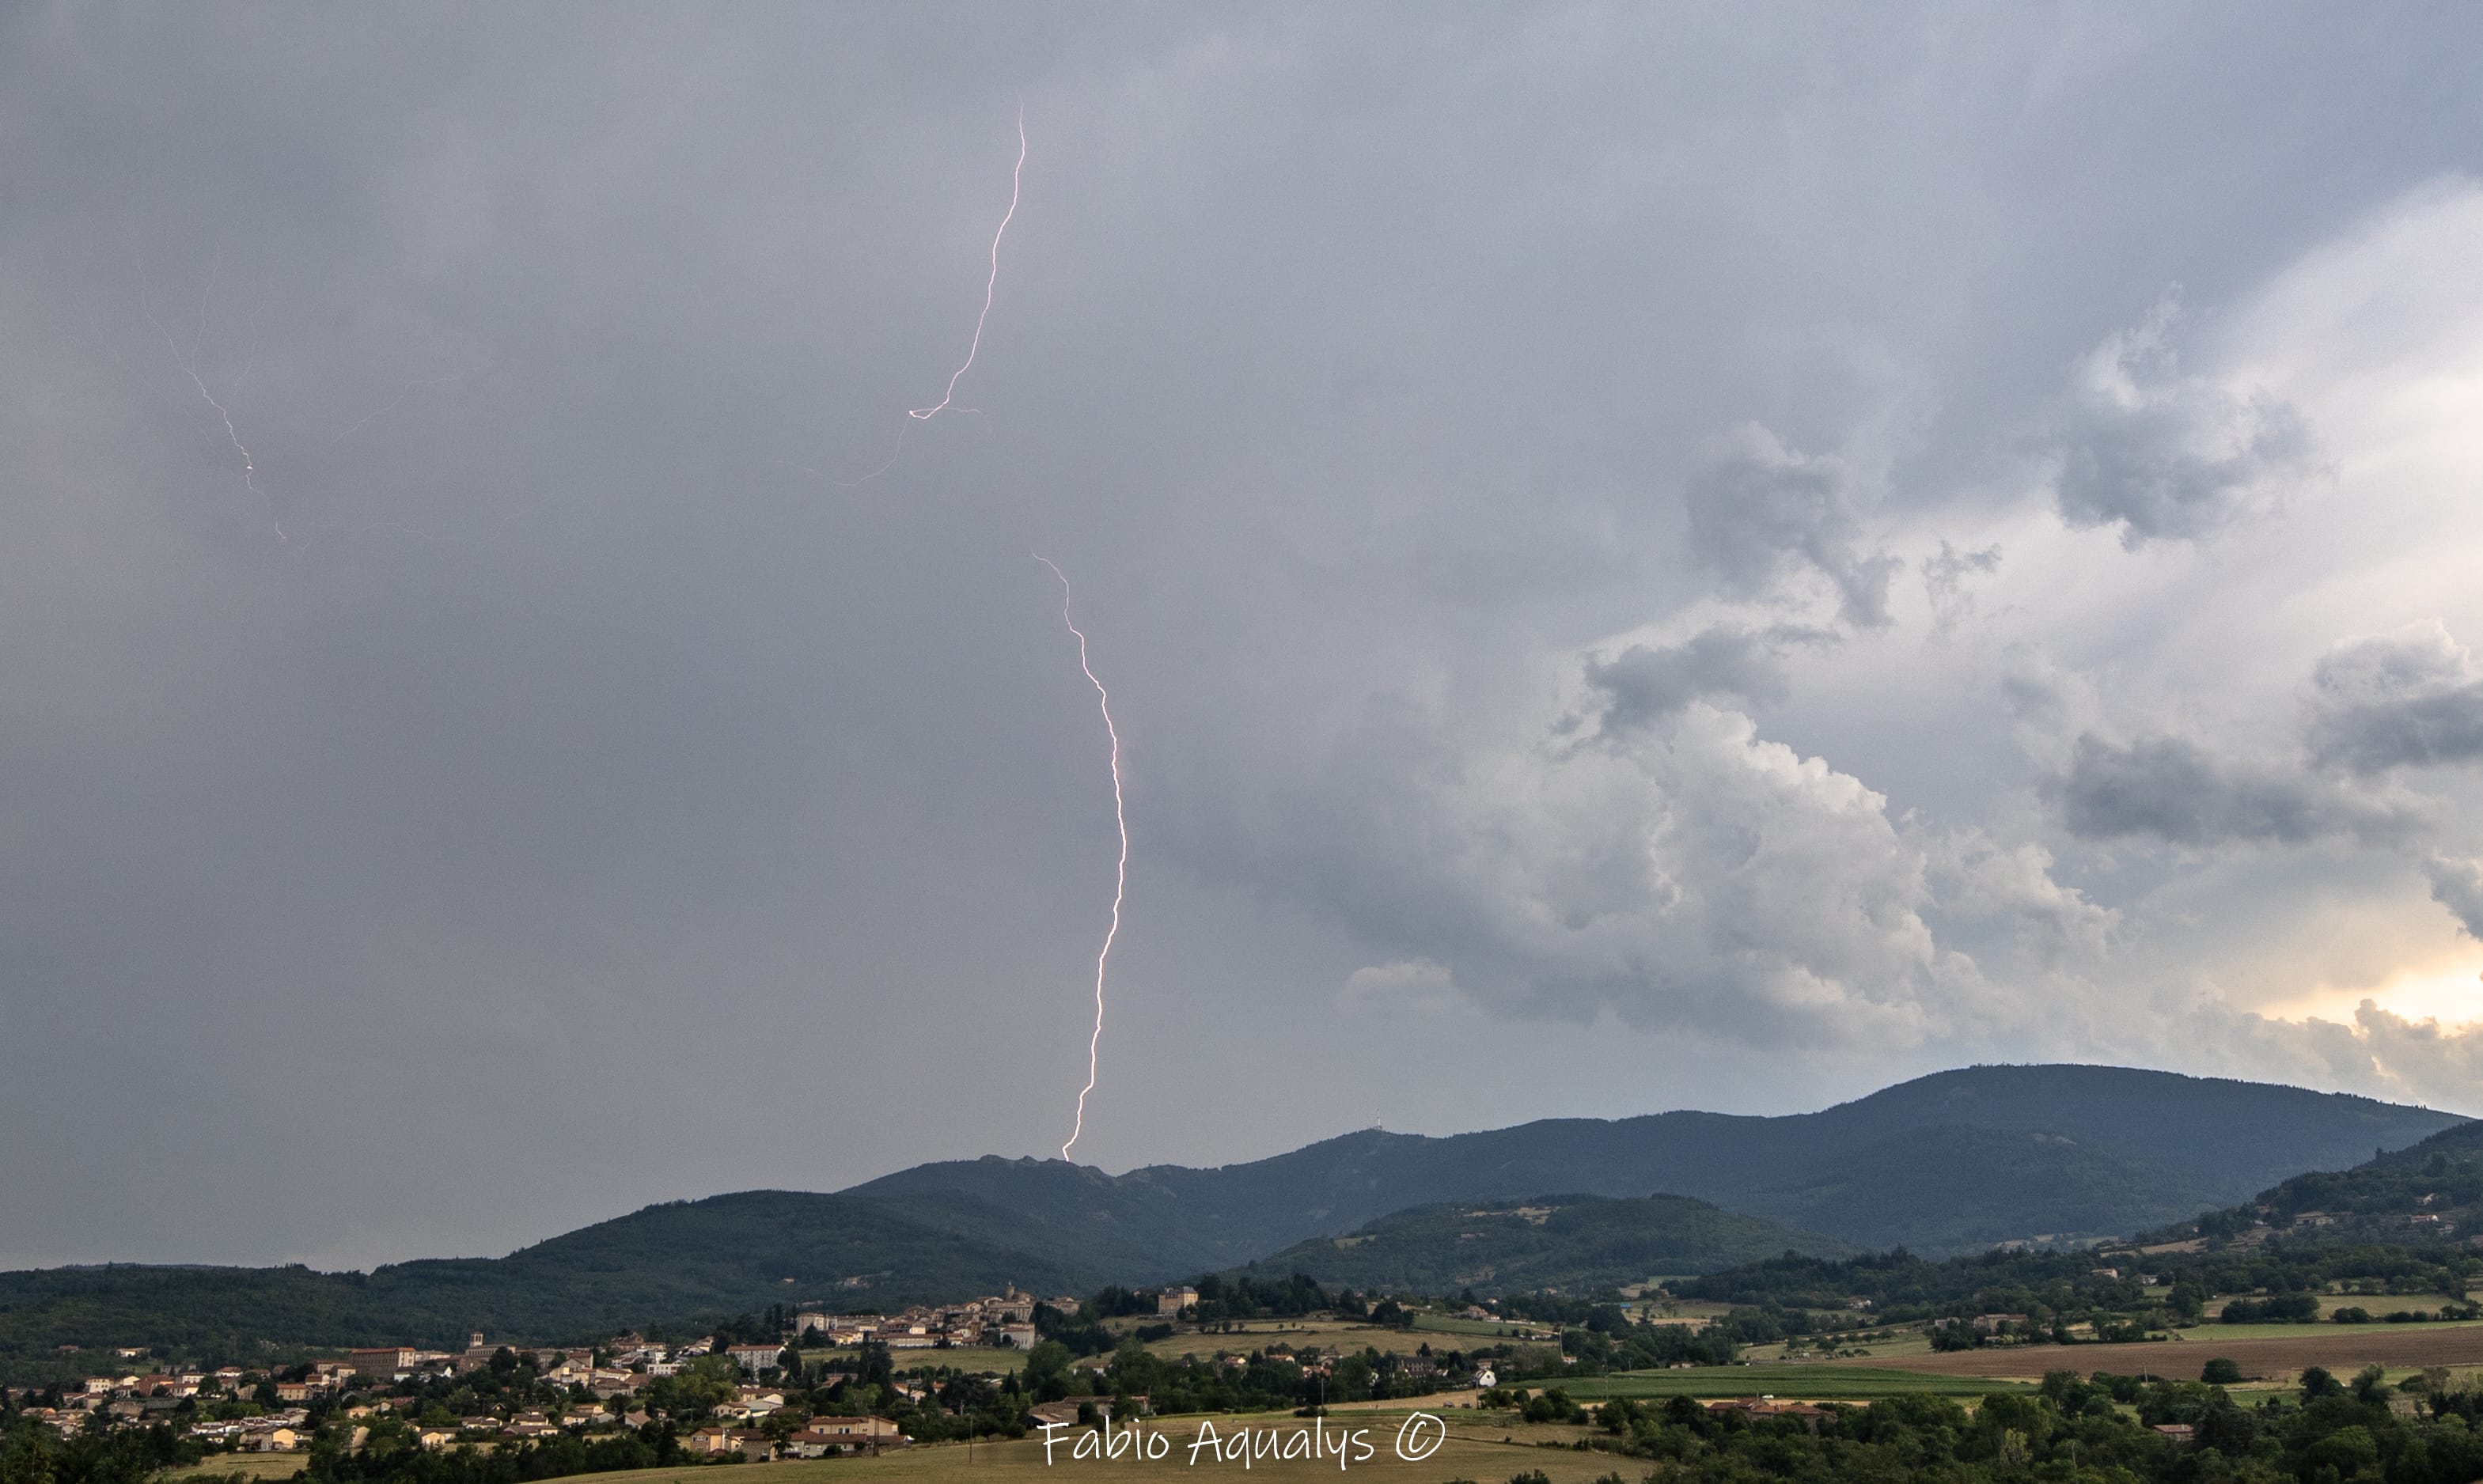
<point x="2397" y="1346"/>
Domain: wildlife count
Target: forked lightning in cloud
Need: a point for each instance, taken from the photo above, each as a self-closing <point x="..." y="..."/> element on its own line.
<point x="973" y="347"/>
<point x="188" y="365"/>
<point x="1120" y="872"/>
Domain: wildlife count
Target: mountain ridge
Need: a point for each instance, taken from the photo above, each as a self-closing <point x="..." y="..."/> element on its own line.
<point x="1953" y="1162"/>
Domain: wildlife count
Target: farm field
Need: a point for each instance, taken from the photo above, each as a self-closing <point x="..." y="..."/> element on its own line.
<point x="1906" y="1344"/>
<point x="1449" y="1324"/>
<point x="1340" y="1335"/>
<point x="2376" y="1303"/>
<point x="1807" y="1382"/>
<point x="254" y="1466"/>
<point x="1677" y="1310"/>
<point x="1478" y="1447"/>
<point x="2343" y="1348"/>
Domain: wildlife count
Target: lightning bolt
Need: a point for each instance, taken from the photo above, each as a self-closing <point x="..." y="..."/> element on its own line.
<point x="991" y="286"/>
<point x="1120" y="872"/>
<point x="188" y="365"/>
<point x="974" y="347"/>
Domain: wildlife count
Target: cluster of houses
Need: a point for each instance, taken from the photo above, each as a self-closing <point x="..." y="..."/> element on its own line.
<point x="1004" y="1320"/>
<point x="620" y="1369"/>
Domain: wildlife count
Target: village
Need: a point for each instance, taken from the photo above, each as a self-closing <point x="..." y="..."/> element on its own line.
<point x="598" y="1388"/>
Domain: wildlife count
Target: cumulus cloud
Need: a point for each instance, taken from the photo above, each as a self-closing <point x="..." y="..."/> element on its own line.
<point x="2458" y="886"/>
<point x="2171" y="789"/>
<point x="1764" y="513"/>
<point x="2165" y="455"/>
<point x="1646" y="683"/>
<point x="2403" y="699"/>
<point x="2054" y="923"/>
<point x="1691" y="876"/>
<point x="2380" y="1055"/>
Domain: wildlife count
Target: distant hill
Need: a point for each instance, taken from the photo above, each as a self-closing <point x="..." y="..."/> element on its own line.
<point x="2426" y="1194"/>
<point x="1946" y="1164"/>
<point x="726" y="1255"/>
<point x="1955" y="1189"/>
<point x="1924" y="1163"/>
<point x="1572" y="1243"/>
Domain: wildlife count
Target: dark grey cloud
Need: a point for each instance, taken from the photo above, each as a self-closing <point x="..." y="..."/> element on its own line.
<point x="1763" y="513"/>
<point x="2404" y="699"/>
<point x="2167" y="789"/>
<point x="581" y="752"/>
<point x="2168" y="456"/>
<point x="2458" y="886"/>
<point x="1646" y="683"/>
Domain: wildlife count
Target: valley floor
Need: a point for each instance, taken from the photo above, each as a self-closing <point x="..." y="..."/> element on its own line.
<point x="1476" y="1447"/>
<point x="2342" y="1348"/>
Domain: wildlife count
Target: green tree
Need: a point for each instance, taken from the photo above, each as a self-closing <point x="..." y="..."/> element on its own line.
<point x="1047" y="1371"/>
<point x="2221" y="1373"/>
<point x="26" y="1458"/>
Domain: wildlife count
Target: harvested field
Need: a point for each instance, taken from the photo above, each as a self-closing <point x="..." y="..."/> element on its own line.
<point x="2343" y="1348"/>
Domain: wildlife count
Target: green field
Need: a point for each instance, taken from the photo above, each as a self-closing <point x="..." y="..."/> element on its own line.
<point x="1446" y="1324"/>
<point x="2328" y="1303"/>
<point x="257" y="1466"/>
<point x="1806" y="1382"/>
<point x="1346" y="1334"/>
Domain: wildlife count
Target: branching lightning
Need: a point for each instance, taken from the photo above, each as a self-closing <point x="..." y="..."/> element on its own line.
<point x="188" y="365"/>
<point x="1120" y="872"/>
<point x="390" y="406"/>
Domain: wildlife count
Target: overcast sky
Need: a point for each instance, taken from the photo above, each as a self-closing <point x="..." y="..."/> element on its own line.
<point x="1711" y="557"/>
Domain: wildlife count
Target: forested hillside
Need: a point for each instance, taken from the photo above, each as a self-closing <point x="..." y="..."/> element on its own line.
<point x="1948" y="1163"/>
<point x="1571" y="1243"/>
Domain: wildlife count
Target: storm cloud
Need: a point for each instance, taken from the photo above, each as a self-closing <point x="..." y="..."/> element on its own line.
<point x="2407" y="699"/>
<point x="504" y="717"/>
<point x="2173" y="790"/>
<point x="1645" y="683"/>
<point x="2164" y="455"/>
<point x="1762" y="513"/>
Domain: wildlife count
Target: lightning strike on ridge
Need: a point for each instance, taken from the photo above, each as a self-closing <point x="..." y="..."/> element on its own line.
<point x="1121" y="871"/>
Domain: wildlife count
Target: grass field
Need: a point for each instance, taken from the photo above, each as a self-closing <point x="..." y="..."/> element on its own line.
<point x="1809" y="1381"/>
<point x="1340" y="1335"/>
<point x="2343" y="1348"/>
<point x="257" y="1466"/>
<point x="1478" y="1447"/>
<point x="1904" y="1346"/>
<point x="1446" y="1324"/>
<point x="2377" y="1303"/>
